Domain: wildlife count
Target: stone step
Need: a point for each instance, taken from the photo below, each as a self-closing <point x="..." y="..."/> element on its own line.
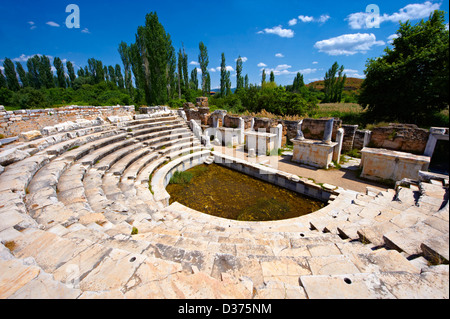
<point x="409" y="240"/>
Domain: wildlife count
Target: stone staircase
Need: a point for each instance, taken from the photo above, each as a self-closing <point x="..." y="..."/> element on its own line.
<point x="78" y="220"/>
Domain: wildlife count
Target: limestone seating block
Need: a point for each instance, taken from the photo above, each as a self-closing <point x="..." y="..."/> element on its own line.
<point x="44" y="286"/>
<point x="29" y="136"/>
<point x="11" y="156"/>
<point x="14" y="276"/>
<point x="410" y="239"/>
<point x="382" y="260"/>
<point x="348" y="286"/>
<point x="431" y="284"/>
<point x="436" y="249"/>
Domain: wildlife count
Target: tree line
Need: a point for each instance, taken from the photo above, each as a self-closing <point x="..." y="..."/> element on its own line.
<point x="408" y="83"/>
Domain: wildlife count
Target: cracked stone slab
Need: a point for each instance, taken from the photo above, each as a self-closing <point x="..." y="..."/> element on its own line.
<point x="354" y="286"/>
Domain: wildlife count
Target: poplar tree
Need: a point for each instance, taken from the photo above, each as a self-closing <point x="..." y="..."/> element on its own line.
<point x="124" y="52"/>
<point x="204" y="62"/>
<point x="2" y="80"/>
<point x="239" y="78"/>
<point x="106" y="74"/>
<point x="61" y="76"/>
<point x="194" y="79"/>
<point x="246" y="82"/>
<point x="185" y="72"/>
<point x="153" y="61"/>
<point x="11" y="76"/>
<point x="34" y="79"/>
<point x="112" y="75"/>
<point x="263" y="81"/>
<point x="180" y="78"/>
<point x="71" y="72"/>
<point x="223" y="76"/>
<point x="45" y="73"/>
<point x="272" y="77"/>
<point x="228" y="83"/>
<point x="299" y="83"/>
<point x="334" y="86"/>
<point x="119" y="76"/>
<point x="22" y="74"/>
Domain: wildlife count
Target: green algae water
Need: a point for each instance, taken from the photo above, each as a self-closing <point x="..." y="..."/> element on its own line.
<point x="223" y="192"/>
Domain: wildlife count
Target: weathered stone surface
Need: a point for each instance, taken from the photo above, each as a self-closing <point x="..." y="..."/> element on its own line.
<point x="30" y="136"/>
<point x="12" y="156"/>
<point x="428" y="285"/>
<point x="14" y="276"/>
<point x="436" y="249"/>
<point x="355" y="286"/>
<point x="410" y="239"/>
<point x="331" y="265"/>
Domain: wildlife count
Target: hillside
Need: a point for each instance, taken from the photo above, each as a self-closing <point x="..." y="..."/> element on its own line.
<point x="351" y="85"/>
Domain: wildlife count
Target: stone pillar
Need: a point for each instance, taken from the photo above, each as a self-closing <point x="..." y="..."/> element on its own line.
<point x="300" y="135"/>
<point x="196" y="129"/>
<point x="241" y="130"/>
<point x="279" y="138"/>
<point x="328" y="131"/>
<point x="367" y="137"/>
<point x="252" y="128"/>
<point x="182" y="113"/>
<point x="338" y="147"/>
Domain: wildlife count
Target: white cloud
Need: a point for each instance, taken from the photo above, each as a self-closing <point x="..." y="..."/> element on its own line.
<point x="306" y="18"/>
<point x="85" y="30"/>
<point x="292" y="22"/>
<point x="2" y="68"/>
<point x="53" y="24"/>
<point x="392" y="37"/>
<point x="199" y="70"/>
<point x="219" y="69"/>
<point x="348" y="44"/>
<point x="24" y="58"/>
<point x="284" y="33"/>
<point x="284" y="69"/>
<point x="243" y="58"/>
<point x="262" y="65"/>
<point x="194" y="63"/>
<point x="354" y="74"/>
<point x="324" y="18"/>
<point x="307" y="71"/>
<point x="32" y="24"/>
<point x="446" y="27"/>
<point x="279" y="55"/>
<point x="315" y="62"/>
<point x="361" y="20"/>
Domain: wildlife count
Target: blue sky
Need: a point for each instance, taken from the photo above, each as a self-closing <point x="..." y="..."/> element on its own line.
<point x="284" y="36"/>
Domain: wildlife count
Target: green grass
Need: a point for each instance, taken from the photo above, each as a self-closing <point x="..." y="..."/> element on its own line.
<point x="181" y="178"/>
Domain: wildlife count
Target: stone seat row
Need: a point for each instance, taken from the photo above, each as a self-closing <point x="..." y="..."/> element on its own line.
<point x="90" y="198"/>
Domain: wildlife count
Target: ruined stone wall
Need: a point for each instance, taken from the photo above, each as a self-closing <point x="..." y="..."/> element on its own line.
<point x="358" y="141"/>
<point x="400" y="137"/>
<point x="12" y="123"/>
<point x="315" y="128"/>
<point x="349" y="137"/>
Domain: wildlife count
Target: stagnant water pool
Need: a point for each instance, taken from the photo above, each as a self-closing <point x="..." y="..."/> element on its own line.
<point x="223" y="192"/>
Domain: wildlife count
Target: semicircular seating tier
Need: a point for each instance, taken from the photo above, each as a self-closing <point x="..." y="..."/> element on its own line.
<point x="72" y="202"/>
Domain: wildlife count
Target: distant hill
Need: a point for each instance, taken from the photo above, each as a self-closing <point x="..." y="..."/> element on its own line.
<point x="351" y="85"/>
